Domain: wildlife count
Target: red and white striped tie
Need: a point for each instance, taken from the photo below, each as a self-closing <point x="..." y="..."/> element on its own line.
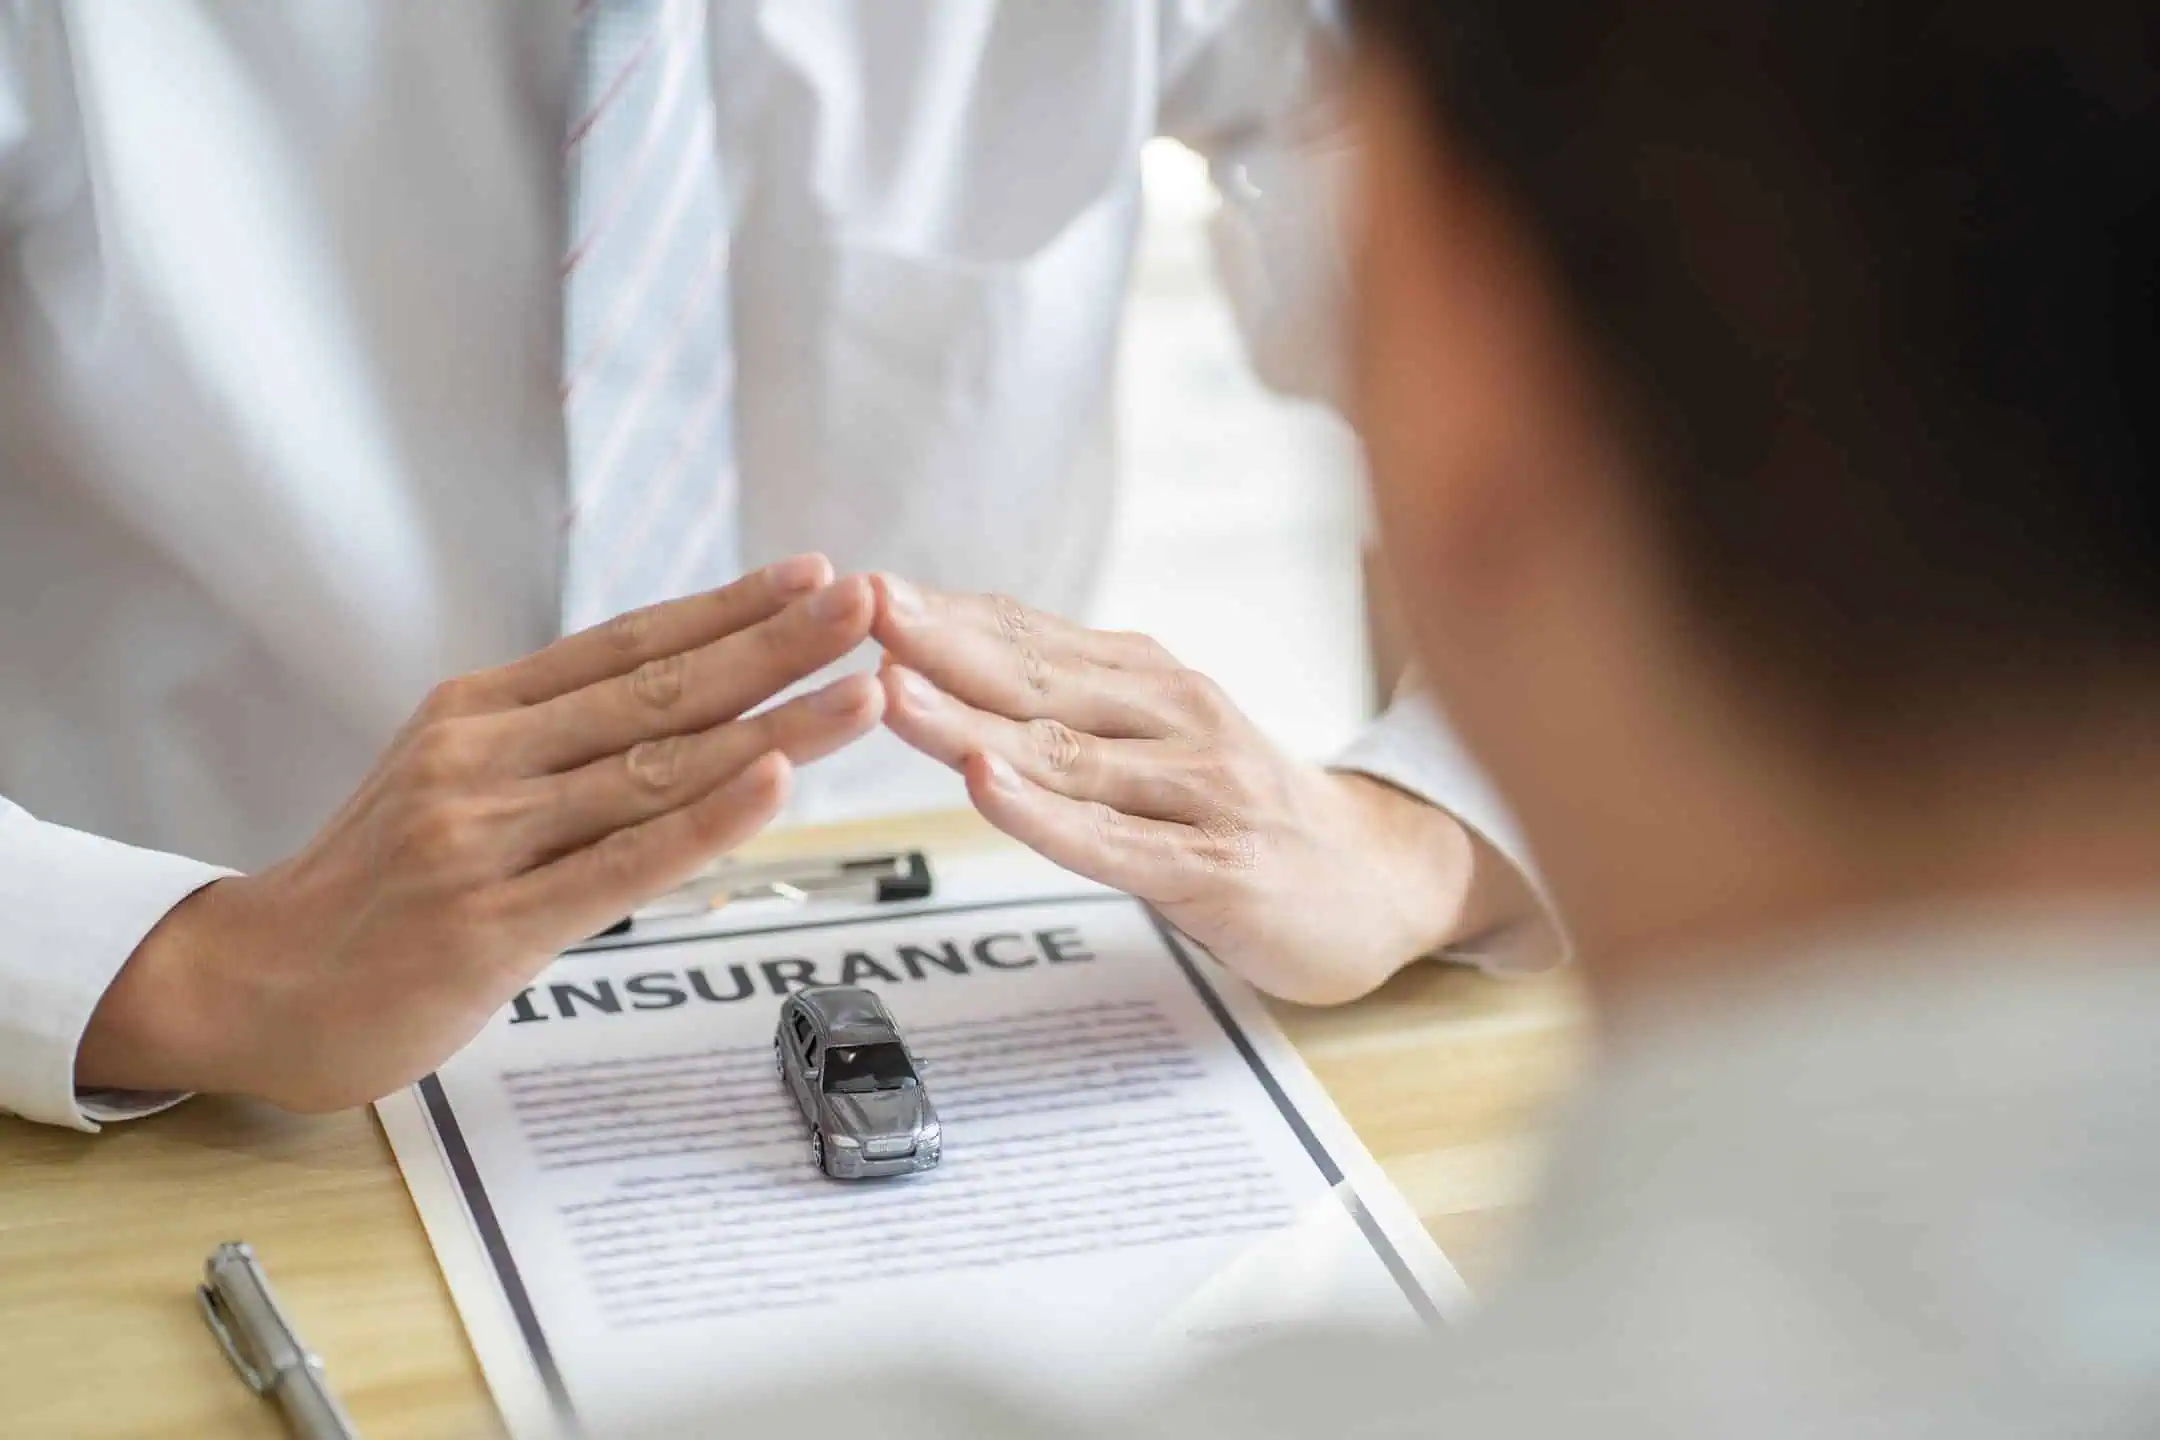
<point x="648" y="377"/>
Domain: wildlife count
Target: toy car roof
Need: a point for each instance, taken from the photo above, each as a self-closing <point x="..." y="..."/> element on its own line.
<point x="848" y="1008"/>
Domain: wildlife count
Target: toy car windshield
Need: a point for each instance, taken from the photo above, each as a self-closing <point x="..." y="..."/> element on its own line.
<point x="856" y="1069"/>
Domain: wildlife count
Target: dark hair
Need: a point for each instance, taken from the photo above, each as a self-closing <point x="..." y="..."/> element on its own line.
<point x="1871" y="288"/>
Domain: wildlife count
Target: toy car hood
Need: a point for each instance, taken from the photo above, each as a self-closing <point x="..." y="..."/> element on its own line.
<point x="875" y="1114"/>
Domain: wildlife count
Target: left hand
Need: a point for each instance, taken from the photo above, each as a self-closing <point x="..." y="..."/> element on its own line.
<point x="1103" y="753"/>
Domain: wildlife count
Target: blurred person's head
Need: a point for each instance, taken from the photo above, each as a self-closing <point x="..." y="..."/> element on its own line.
<point x="1758" y="399"/>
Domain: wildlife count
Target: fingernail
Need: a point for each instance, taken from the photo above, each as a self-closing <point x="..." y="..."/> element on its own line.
<point x="902" y="600"/>
<point x="1000" y="775"/>
<point x="842" y="697"/>
<point x="797" y="573"/>
<point x="833" y="602"/>
<point x="919" y="693"/>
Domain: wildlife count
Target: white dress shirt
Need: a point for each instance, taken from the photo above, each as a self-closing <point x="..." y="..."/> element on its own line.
<point x="1907" y="1185"/>
<point x="281" y="442"/>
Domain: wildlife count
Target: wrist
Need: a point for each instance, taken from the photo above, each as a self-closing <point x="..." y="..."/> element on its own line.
<point x="155" y="1029"/>
<point x="1452" y="886"/>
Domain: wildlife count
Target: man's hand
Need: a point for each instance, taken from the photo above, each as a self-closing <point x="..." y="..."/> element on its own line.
<point x="521" y="810"/>
<point x="1103" y="753"/>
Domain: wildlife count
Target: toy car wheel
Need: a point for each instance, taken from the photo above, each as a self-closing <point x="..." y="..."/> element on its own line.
<point x="779" y="1061"/>
<point x="817" y="1147"/>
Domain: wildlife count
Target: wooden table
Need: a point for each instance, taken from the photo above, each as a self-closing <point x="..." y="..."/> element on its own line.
<point x="1446" y="1075"/>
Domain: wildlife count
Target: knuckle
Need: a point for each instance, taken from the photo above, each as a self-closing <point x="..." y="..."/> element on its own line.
<point x="1011" y="618"/>
<point x="615" y="857"/>
<point x="442" y="752"/>
<point x="654" y="765"/>
<point x="457" y="696"/>
<point x="629" y="633"/>
<point x="1034" y="672"/>
<point x="1190" y="693"/>
<point x="1056" y="746"/>
<point x="1145" y="648"/>
<point x="658" y="684"/>
<point x="1016" y="627"/>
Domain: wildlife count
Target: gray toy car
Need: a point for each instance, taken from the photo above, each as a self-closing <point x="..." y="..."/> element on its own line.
<point x="841" y="1057"/>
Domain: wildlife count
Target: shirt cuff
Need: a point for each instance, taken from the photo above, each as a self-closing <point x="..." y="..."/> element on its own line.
<point x="73" y="909"/>
<point x="1411" y="748"/>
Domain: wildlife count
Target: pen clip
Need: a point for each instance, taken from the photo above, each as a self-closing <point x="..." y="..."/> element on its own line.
<point x="244" y="1315"/>
<point x="220" y="1321"/>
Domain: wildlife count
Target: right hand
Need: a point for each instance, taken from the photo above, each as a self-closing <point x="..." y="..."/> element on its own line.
<point x="520" y="811"/>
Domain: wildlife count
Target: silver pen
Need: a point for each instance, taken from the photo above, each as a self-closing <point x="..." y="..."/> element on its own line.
<point x="264" y="1348"/>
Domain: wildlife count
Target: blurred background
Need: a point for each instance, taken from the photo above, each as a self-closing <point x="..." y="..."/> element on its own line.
<point x="1239" y="513"/>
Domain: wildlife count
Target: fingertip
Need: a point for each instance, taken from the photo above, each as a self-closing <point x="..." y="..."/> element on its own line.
<point x="991" y="778"/>
<point x="905" y="717"/>
<point x="763" y="781"/>
<point x="776" y="778"/>
<point x="1001" y="797"/>
<point x="869" y="705"/>
<point x="736" y="811"/>
<point x="775" y="768"/>
<point x="852" y="697"/>
<point x="898" y="601"/>
<point x="908" y="691"/>
<point x="800" y="574"/>
<point x="848" y="601"/>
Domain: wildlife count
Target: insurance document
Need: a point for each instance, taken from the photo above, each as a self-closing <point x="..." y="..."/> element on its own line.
<point x="1136" y="1166"/>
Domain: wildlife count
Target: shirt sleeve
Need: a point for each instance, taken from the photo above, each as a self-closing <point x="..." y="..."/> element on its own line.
<point x="1411" y="748"/>
<point x="73" y="907"/>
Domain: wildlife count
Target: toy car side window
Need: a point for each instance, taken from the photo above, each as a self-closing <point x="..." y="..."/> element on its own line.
<point x="817" y="1053"/>
<point x="803" y="1033"/>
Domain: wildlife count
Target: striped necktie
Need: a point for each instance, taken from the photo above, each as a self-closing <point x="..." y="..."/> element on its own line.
<point x="648" y="377"/>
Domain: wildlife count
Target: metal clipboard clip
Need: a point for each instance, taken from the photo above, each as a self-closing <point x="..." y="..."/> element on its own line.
<point x="883" y="879"/>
